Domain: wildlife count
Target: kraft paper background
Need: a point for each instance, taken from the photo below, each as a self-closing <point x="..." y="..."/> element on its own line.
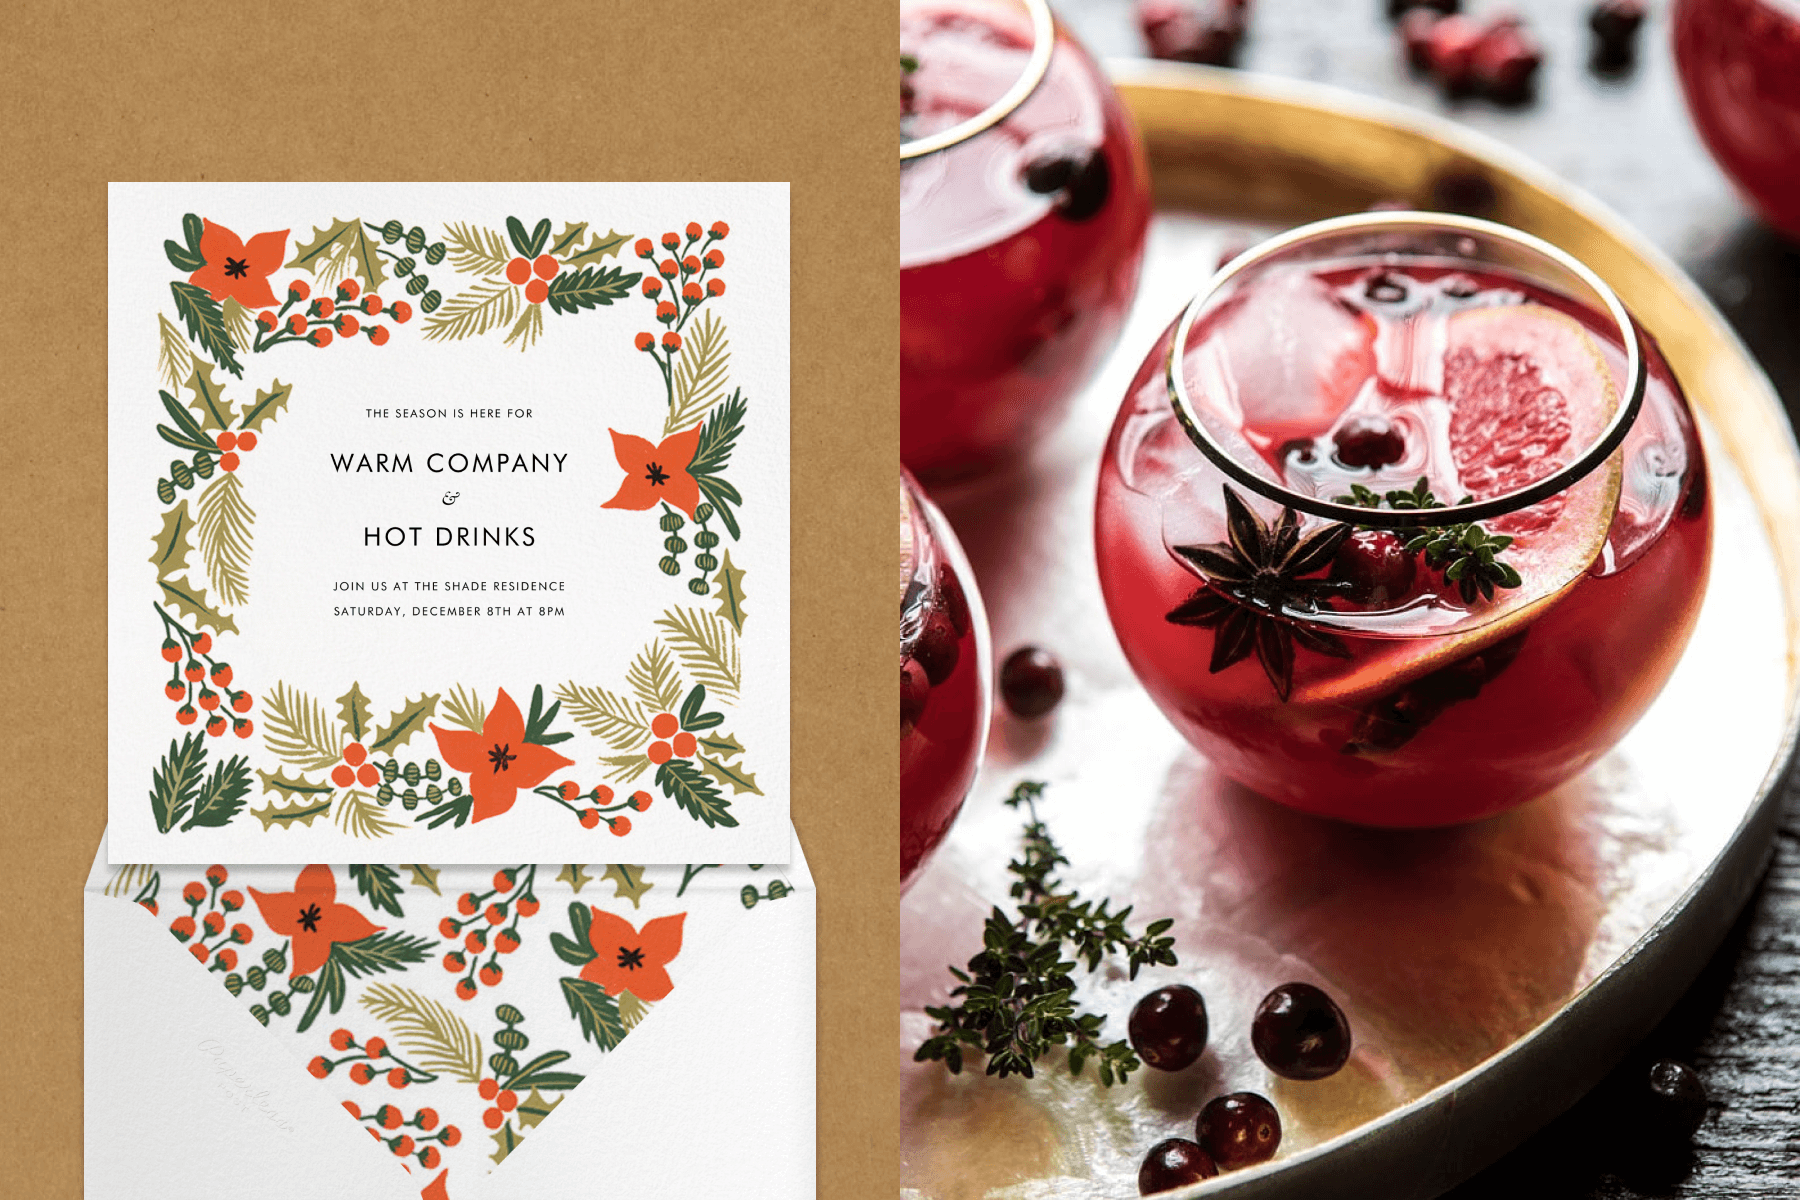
<point x="777" y="90"/>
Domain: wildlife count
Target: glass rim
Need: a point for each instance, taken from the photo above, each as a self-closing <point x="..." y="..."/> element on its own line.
<point x="1043" y="43"/>
<point x="1609" y="439"/>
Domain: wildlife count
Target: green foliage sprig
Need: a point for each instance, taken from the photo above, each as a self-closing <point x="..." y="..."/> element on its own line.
<point x="1016" y="999"/>
<point x="1467" y="554"/>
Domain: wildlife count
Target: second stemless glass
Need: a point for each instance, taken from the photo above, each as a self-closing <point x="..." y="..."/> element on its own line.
<point x="1024" y="203"/>
<point x="1278" y="568"/>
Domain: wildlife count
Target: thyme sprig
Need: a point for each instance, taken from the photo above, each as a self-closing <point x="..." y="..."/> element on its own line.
<point x="1467" y="554"/>
<point x="1016" y="1000"/>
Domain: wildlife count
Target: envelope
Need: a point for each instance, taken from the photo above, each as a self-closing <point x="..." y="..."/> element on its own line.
<point x="453" y="1033"/>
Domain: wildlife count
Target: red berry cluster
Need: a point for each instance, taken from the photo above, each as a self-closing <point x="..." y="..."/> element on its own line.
<point x="356" y="768"/>
<point x="1497" y="58"/>
<point x="534" y="275"/>
<point x="512" y="897"/>
<point x="671" y="740"/>
<point x="568" y="793"/>
<point x="322" y="319"/>
<point x="1195" y="31"/>
<point x="390" y="1118"/>
<point x="505" y="1100"/>
<point x="233" y="444"/>
<point x="685" y="269"/>
<point x="209" y="917"/>
<point x="369" y="1059"/>
<point x="192" y="681"/>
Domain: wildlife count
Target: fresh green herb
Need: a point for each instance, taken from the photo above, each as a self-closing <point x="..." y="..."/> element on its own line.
<point x="1467" y="554"/>
<point x="908" y="63"/>
<point x="1016" y="1000"/>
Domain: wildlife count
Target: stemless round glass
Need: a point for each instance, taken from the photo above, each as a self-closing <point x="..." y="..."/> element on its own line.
<point x="1739" y="62"/>
<point x="1278" y="570"/>
<point x="1024" y="201"/>
<point x="946" y="677"/>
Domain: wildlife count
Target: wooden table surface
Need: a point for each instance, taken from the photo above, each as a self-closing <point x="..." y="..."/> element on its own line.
<point x="1629" y="141"/>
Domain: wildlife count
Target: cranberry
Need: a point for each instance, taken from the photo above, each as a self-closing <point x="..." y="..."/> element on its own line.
<point x="1168" y="1027"/>
<point x="1300" y="1033"/>
<point x="1506" y="61"/>
<point x="1415" y="35"/>
<point x="1173" y="1163"/>
<point x="1368" y="442"/>
<point x="937" y="650"/>
<point x="1239" y="1130"/>
<point x="1674" y="1103"/>
<point x="1452" y="52"/>
<point x="1083" y="178"/>
<point x="1464" y="190"/>
<point x="950" y="596"/>
<point x="1031" y="682"/>
<point x="1404" y="8"/>
<point x="1375" y="566"/>
<point x="915" y="690"/>
<point x="1195" y="31"/>
<point x="1615" y="24"/>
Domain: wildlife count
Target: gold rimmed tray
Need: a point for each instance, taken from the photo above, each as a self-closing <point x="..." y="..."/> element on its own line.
<point x="1493" y="972"/>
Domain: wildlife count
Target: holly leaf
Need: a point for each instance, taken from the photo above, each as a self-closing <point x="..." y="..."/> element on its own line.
<point x="568" y="239"/>
<point x="299" y="812"/>
<point x="297" y="788"/>
<point x="728" y="588"/>
<point x="173" y="545"/>
<point x="722" y="745"/>
<point x="534" y="1108"/>
<point x="406" y="720"/>
<point x="590" y="287"/>
<point x="205" y="321"/>
<point x="355" y="713"/>
<point x="209" y="398"/>
<point x="381" y="884"/>
<point x="506" y="1140"/>
<point x="191" y="601"/>
<point x="337" y="243"/>
<point x="683" y="783"/>
<point x="223" y="796"/>
<point x="269" y="403"/>
<point x="628" y="882"/>
<point x="739" y="780"/>
<point x="175" y="783"/>
<point x="597" y="1012"/>
<point x="425" y="877"/>
<point x="576" y="877"/>
<point x="600" y="249"/>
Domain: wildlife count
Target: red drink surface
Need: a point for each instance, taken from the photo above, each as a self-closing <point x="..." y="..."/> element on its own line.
<point x="1739" y="62"/>
<point x="1441" y="710"/>
<point x="945" y="684"/>
<point x="1009" y="297"/>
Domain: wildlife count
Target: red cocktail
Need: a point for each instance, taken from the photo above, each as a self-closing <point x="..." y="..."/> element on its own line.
<point x="946" y="678"/>
<point x="1024" y="200"/>
<point x="1412" y="528"/>
<point x="1740" y="67"/>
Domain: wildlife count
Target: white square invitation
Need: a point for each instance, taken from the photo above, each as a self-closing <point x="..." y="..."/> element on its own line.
<point x="448" y="522"/>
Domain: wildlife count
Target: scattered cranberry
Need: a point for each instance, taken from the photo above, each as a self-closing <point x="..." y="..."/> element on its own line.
<point x="1451" y="52"/>
<point x="1173" y="1163"/>
<point x="1083" y="178"/>
<point x="1615" y="24"/>
<point x="1401" y="9"/>
<point x="1031" y="682"/>
<point x="1168" y="1027"/>
<point x="1506" y="61"/>
<point x="1368" y="442"/>
<point x="1195" y="31"/>
<point x="951" y="599"/>
<point x="937" y="650"/>
<point x="1300" y="1033"/>
<point x="1375" y="567"/>
<point x="915" y="690"/>
<point x="1675" y="1101"/>
<point x="1239" y="1130"/>
<point x="1415" y="35"/>
<point x="1464" y="190"/>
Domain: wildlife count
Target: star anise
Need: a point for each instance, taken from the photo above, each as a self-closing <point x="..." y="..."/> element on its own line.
<point x="1252" y="582"/>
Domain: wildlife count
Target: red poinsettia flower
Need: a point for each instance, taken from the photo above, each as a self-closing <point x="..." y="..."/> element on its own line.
<point x="633" y="960"/>
<point x="237" y="270"/>
<point x="498" y="760"/>
<point x="312" y="917"/>
<point x="437" y="1189"/>
<point x="656" y="474"/>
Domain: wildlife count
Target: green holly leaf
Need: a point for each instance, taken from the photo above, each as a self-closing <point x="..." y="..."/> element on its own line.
<point x="355" y="713"/>
<point x="506" y="1140"/>
<point x="406" y="720"/>
<point x="721" y="745"/>
<point x="597" y="1012"/>
<point x="192" y="602"/>
<point x="683" y="783"/>
<point x="297" y="788"/>
<point x="590" y="287"/>
<point x="269" y="403"/>
<point x="381" y="884"/>
<point x="299" y="812"/>
<point x="740" y="781"/>
<point x="728" y="589"/>
<point x="574" y="876"/>
<point x="223" y="796"/>
<point x="628" y="882"/>
<point x="425" y="877"/>
<point x="173" y="545"/>
<point x="176" y="782"/>
<point x="333" y="247"/>
<point x="205" y="321"/>
<point x="570" y="237"/>
<point x="209" y="399"/>
<point x="600" y="249"/>
<point x="534" y="1108"/>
